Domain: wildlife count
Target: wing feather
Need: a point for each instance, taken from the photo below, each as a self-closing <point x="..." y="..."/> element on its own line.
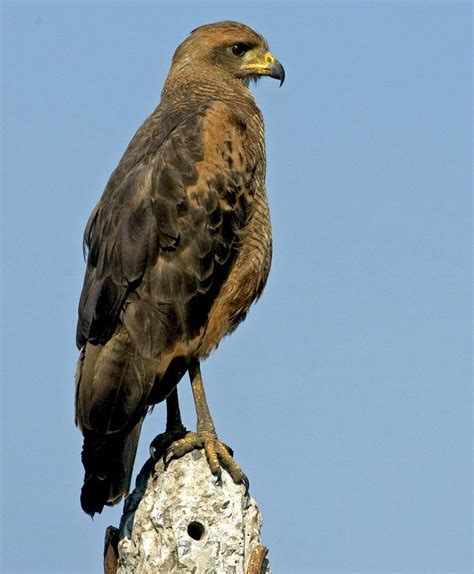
<point x="164" y="235"/>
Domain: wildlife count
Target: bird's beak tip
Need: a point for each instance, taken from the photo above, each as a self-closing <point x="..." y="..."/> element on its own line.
<point x="277" y="71"/>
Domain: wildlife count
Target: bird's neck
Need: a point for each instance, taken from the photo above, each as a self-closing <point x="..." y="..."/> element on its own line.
<point x="209" y="85"/>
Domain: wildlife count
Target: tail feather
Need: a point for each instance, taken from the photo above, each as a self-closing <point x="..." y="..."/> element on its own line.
<point x="113" y="383"/>
<point x="108" y="464"/>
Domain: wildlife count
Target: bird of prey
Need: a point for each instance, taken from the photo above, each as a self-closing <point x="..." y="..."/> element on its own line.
<point x="178" y="248"/>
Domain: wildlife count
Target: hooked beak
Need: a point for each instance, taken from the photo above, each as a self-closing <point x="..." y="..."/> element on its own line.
<point x="267" y="65"/>
<point x="277" y="71"/>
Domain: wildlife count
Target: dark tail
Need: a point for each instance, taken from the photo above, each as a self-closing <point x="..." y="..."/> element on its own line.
<point x="108" y="463"/>
<point x="113" y="382"/>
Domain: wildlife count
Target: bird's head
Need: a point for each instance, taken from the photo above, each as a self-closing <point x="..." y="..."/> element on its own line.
<point x="226" y="50"/>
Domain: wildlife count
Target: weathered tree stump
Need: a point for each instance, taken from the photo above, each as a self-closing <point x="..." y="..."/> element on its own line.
<point x="179" y="520"/>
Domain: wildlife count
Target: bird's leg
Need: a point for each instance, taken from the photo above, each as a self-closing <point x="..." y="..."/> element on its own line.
<point x="175" y="429"/>
<point x="218" y="454"/>
<point x="173" y="414"/>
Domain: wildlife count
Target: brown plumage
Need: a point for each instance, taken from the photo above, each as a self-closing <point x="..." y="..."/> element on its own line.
<point x="179" y="247"/>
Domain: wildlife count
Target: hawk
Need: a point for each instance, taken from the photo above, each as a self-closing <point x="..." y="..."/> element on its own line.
<point x="178" y="248"/>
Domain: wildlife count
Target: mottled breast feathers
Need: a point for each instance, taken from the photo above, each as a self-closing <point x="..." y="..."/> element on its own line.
<point x="165" y="234"/>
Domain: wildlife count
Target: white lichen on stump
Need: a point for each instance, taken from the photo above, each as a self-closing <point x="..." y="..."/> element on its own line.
<point x="179" y="520"/>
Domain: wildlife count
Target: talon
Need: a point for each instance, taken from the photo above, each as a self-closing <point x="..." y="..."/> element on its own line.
<point x="160" y="445"/>
<point x="218" y="475"/>
<point x="168" y="456"/>
<point x="246" y="483"/>
<point x="156" y="448"/>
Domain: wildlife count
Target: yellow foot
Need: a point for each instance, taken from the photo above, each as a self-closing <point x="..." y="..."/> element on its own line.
<point x="161" y="443"/>
<point x="218" y="455"/>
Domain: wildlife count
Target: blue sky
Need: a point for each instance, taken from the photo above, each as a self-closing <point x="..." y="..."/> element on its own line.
<point x="346" y="394"/>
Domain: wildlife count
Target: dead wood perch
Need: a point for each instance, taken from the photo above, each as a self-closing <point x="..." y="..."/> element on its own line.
<point x="181" y="521"/>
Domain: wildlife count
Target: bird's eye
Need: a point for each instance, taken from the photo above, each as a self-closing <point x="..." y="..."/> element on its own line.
<point x="239" y="49"/>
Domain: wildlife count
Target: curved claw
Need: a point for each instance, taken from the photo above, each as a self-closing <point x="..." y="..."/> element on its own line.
<point x="167" y="457"/>
<point x="163" y="442"/>
<point x="246" y="483"/>
<point x="218" y="475"/>
<point x="156" y="448"/>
